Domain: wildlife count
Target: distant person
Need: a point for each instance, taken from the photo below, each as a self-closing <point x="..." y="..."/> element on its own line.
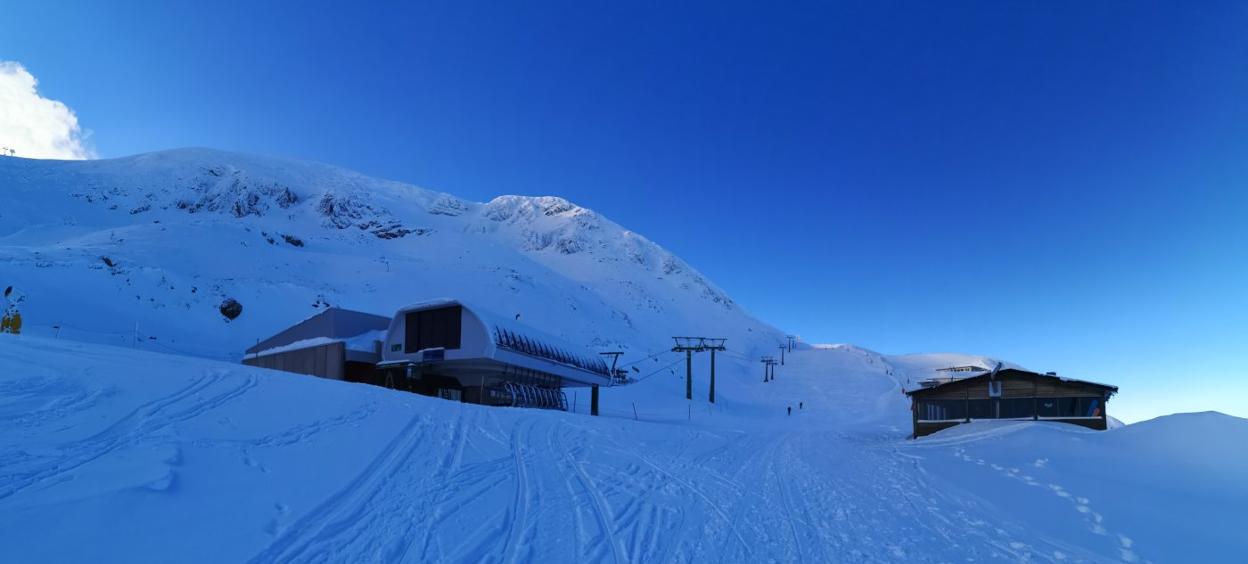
<point x="790" y="410"/>
<point x="799" y="405"/>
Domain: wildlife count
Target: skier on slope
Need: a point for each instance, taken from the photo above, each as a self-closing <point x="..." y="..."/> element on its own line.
<point x="12" y="320"/>
<point x="790" y="410"/>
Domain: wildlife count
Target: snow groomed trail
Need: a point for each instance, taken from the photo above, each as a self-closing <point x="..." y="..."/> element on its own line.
<point x="159" y="458"/>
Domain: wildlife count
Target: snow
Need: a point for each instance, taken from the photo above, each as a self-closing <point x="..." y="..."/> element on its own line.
<point x="159" y="240"/>
<point x="300" y="344"/>
<point x="135" y="436"/>
<point x="364" y="342"/>
<point x="151" y="457"/>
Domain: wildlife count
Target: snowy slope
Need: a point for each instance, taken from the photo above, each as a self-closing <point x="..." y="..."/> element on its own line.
<point x="112" y="454"/>
<point x="143" y="455"/>
<point x="159" y="240"/>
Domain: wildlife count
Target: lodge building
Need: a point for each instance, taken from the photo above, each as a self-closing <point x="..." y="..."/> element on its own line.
<point x="1009" y="394"/>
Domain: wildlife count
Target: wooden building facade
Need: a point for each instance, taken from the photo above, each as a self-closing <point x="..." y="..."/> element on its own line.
<point x="1010" y="394"/>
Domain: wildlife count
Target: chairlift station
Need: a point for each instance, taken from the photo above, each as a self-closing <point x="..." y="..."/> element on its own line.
<point x="442" y="348"/>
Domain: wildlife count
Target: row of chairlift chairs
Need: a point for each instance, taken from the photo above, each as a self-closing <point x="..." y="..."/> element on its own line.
<point x="526" y="395"/>
<point x="520" y="343"/>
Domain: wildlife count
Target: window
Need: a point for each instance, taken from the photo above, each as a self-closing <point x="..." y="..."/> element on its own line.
<point x="433" y="328"/>
<point x="942" y="410"/>
<point x="981" y="409"/>
<point x="1070" y="407"/>
<point x="1015" y="408"/>
<point x="1089" y="407"/>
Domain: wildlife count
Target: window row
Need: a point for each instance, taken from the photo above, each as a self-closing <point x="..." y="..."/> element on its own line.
<point x="1013" y="408"/>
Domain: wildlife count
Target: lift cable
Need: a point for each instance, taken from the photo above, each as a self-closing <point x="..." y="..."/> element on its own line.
<point x="661" y="351"/>
<point x="643" y="378"/>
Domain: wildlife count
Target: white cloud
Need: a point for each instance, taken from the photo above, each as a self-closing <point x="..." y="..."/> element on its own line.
<point x="33" y="126"/>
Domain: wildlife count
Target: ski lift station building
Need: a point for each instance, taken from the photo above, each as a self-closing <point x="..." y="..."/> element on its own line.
<point x="444" y="348"/>
<point x="339" y="344"/>
<point x="1009" y="394"/>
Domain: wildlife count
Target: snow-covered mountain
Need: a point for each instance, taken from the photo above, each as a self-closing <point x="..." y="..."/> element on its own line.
<point x="144" y="456"/>
<point x="150" y="246"/>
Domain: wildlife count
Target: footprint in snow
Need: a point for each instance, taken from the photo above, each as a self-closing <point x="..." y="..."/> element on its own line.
<point x="274" y="526"/>
<point x="1081" y="504"/>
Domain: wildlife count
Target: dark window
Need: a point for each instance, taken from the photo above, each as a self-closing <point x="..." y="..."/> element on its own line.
<point x="1090" y="407"/>
<point x="433" y="328"/>
<point x="939" y="410"/>
<point x="981" y="409"/>
<point x="1015" y="408"/>
<point x="1071" y="407"/>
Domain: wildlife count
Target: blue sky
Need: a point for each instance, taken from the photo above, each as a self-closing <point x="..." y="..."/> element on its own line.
<point x="1060" y="184"/>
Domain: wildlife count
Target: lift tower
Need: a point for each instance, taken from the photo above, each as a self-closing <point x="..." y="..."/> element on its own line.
<point x="690" y="345"/>
<point x="768" y="362"/>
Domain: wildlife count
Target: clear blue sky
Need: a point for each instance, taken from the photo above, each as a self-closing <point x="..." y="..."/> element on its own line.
<point x="1062" y="184"/>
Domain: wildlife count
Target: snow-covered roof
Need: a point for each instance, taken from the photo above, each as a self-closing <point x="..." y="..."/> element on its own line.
<point x="364" y="342"/>
<point x="331" y="325"/>
<point x="519" y="338"/>
<point x="942" y="383"/>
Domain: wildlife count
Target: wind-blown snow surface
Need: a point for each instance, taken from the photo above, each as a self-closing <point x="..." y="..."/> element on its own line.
<point x="112" y="454"/>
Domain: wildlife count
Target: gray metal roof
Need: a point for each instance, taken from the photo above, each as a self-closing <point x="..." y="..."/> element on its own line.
<point x="333" y="323"/>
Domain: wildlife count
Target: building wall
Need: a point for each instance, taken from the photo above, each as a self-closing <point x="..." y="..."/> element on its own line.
<point x="325" y="361"/>
<point x="1021" y="396"/>
<point x="924" y="429"/>
<point x="475" y="338"/>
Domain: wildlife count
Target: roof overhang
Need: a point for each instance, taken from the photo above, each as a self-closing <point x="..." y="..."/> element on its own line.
<point x="1111" y="389"/>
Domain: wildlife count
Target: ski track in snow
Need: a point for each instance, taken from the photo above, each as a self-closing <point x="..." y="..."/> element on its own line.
<point x="447" y="482"/>
<point x="137" y="427"/>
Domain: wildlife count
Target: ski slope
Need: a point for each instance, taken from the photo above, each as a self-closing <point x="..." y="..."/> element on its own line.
<point x="116" y="454"/>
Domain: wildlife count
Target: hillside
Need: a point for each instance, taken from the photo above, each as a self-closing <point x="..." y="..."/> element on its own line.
<point x="151" y="245"/>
